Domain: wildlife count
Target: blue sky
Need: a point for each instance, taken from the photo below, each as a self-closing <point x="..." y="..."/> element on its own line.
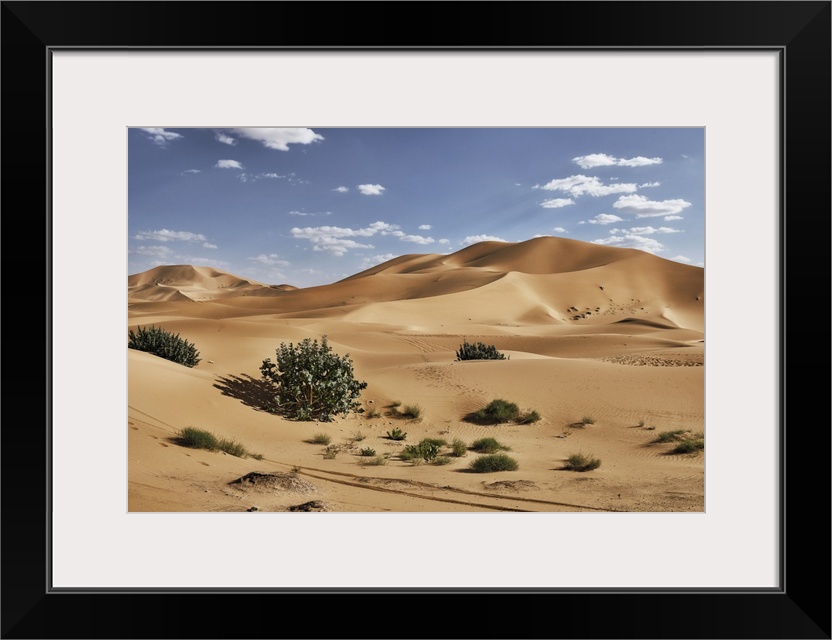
<point x="309" y="206"/>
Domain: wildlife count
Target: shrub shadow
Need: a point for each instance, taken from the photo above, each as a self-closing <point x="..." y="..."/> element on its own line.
<point x="252" y="392"/>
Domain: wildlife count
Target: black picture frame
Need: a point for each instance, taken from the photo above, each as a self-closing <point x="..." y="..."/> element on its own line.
<point x="799" y="608"/>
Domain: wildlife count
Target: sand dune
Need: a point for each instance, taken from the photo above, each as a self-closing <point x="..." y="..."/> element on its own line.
<point x="616" y="334"/>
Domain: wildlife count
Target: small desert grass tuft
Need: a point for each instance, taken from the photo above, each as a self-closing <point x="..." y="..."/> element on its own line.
<point x="580" y="462"/>
<point x="494" y="462"/>
<point x="439" y="442"/>
<point x="232" y="447"/>
<point x="201" y="439"/>
<point x="411" y="411"/>
<point x="197" y="439"/>
<point x="458" y="447"/>
<point x="330" y="452"/>
<point x="367" y="452"/>
<point x="691" y="444"/>
<point x="443" y="460"/>
<point x="671" y="436"/>
<point x="488" y="445"/>
<point x="375" y="461"/>
<point x="587" y="420"/>
<point x="397" y="434"/>
<point x="358" y="436"/>
<point x="320" y="438"/>
<point x="529" y="418"/>
<point x="497" y="411"/>
<point x="374" y="413"/>
<point x="426" y="451"/>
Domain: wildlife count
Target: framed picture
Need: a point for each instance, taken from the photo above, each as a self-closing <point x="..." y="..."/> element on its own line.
<point x="81" y="78"/>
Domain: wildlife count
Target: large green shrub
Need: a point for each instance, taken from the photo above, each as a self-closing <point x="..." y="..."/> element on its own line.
<point x="495" y="462"/>
<point x="478" y="351"/>
<point x="311" y="381"/>
<point x="164" y="344"/>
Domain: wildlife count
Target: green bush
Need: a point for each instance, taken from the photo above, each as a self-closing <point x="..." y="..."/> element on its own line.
<point x="311" y="382"/>
<point x="587" y="420"/>
<point x="478" y="351"/>
<point x="367" y="452"/>
<point x="458" y="447"/>
<point x="397" y="434"/>
<point x="580" y="462"/>
<point x="691" y="444"/>
<point x="496" y="412"/>
<point x="164" y="344"/>
<point x="495" y="462"/>
<point x="671" y="436"/>
<point x="425" y="450"/>
<point x="376" y="461"/>
<point x="488" y="445"/>
<point x="443" y="460"/>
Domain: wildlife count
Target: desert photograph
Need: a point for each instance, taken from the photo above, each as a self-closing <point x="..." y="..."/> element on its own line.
<point x="416" y="320"/>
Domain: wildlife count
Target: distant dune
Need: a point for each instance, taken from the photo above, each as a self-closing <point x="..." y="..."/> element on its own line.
<point x="614" y="333"/>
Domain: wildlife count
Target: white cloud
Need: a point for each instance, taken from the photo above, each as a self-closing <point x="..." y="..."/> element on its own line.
<point x="644" y="208"/>
<point x="424" y="227"/>
<point x="372" y="261"/>
<point x="603" y="160"/>
<point x="371" y="189"/>
<point x="605" y="218"/>
<point x="308" y="213"/>
<point x="272" y="175"/>
<point x="160" y="136"/>
<point x="156" y="251"/>
<point x="645" y="185"/>
<point x="557" y="203"/>
<point x="684" y="259"/>
<point x="341" y="189"/>
<point x="580" y="185"/>
<point x="280" y="139"/>
<point x="632" y="241"/>
<point x="417" y="239"/>
<point x="647" y="231"/>
<point x="224" y="138"/>
<point x="166" y="235"/>
<point x="336" y="240"/>
<point x="481" y="238"/>
<point x="208" y="245"/>
<point x="444" y="241"/>
<point x="671" y="218"/>
<point x="191" y="171"/>
<point x="270" y="260"/>
<point x="228" y="164"/>
<point x="560" y="230"/>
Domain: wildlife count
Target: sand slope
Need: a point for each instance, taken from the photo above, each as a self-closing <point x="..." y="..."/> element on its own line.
<point x="615" y="334"/>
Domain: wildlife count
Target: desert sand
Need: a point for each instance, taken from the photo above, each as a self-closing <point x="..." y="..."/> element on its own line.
<point x="613" y="334"/>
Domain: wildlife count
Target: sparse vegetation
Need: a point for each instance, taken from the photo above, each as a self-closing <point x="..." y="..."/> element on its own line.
<point x="488" y="445"/>
<point x="528" y="418"/>
<point x="320" y="438"/>
<point x="358" y="436"/>
<point x="311" y="381"/>
<point x="411" y="411"/>
<point x="587" y="420"/>
<point x="201" y="439"/>
<point x="164" y="344"/>
<point x="376" y="461"/>
<point x="367" y="452"/>
<point x="671" y="436"/>
<point x="424" y="450"/>
<point x="373" y="413"/>
<point x="478" y="351"/>
<point x="443" y="460"/>
<point x="494" y="462"/>
<point x="458" y="448"/>
<point x="690" y="445"/>
<point x="581" y="462"/>
<point x="330" y="452"/>
<point x="501" y="411"/>
<point x="439" y="442"/>
<point x="396" y="434"/>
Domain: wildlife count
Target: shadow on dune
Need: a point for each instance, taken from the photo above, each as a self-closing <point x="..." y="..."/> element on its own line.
<point x="252" y="392"/>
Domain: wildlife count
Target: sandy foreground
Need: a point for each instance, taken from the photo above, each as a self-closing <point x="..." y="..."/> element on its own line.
<point x="613" y="334"/>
